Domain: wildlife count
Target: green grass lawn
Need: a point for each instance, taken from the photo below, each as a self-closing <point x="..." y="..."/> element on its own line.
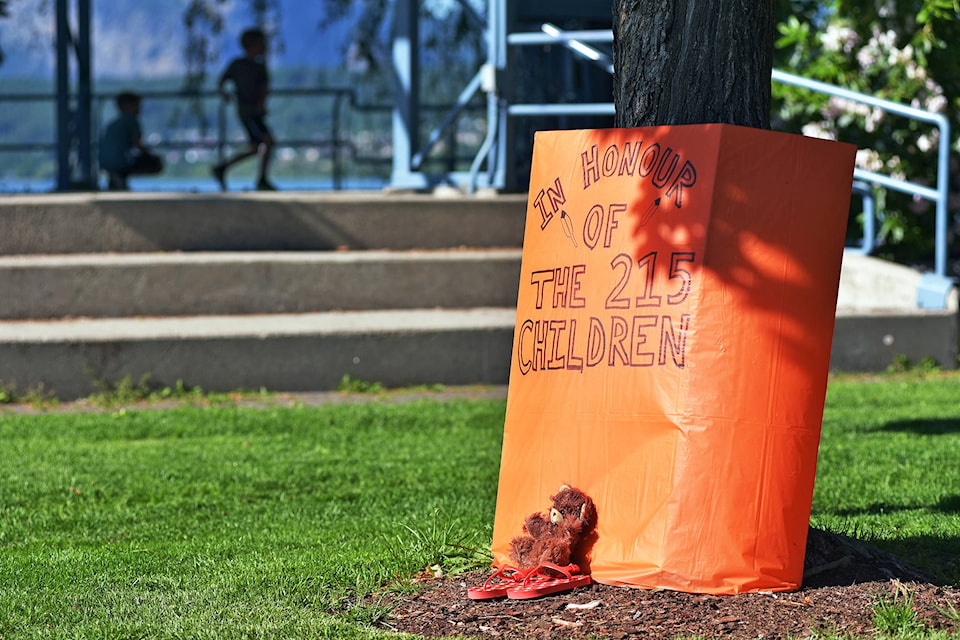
<point x="889" y="467"/>
<point x="225" y="522"/>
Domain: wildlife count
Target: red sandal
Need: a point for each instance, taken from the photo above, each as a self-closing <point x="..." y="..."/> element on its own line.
<point x="497" y="585"/>
<point x="538" y="583"/>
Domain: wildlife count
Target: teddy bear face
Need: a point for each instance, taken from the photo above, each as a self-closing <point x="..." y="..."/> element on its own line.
<point x="571" y="502"/>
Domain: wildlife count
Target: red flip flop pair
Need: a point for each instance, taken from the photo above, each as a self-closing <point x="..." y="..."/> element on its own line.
<point x="519" y="584"/>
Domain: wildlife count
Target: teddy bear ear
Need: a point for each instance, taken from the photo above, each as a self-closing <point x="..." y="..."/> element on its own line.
<point x="583" y="511"/>
<point x="555" y="516"/>
<point x="564" y="487"/>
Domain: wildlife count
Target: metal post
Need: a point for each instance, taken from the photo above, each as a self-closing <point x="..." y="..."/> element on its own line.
<point x="82" y="124"/>
<point x="335" y="137"/>
<point x="869" y="216"/>
<point x="943" y="197"/>
<point x="74" y="127"/>
<point x="63" y="96"/>
<point x="406" y="116"/>
<point x="507" y="65"/>
<point x="498" y="105"/>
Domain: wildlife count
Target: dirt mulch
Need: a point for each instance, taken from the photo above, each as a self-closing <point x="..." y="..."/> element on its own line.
<point x="843" y="580"/>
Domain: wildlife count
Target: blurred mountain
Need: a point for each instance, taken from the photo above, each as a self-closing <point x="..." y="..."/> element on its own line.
<point x="146" y="39"/>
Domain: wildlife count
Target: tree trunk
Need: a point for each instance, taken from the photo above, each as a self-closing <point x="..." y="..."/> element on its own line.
<point x="692" y="61"/>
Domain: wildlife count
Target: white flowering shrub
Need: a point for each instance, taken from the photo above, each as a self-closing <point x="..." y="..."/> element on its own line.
<point x="900" y="50"/>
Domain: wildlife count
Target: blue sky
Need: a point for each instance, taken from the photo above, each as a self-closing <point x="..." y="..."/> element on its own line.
<point x="145" y="38"/>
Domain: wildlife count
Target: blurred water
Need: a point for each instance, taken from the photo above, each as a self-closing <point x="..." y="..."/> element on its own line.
<point x="201" y="185"/>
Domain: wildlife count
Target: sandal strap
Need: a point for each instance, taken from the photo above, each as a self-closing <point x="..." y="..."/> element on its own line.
<point x="502" y="573"/>
<point x="565" y="572"/>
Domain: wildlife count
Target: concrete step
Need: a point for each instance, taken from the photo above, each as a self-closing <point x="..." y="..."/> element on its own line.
<point x="287" y="291"/>
<point x="177" y="284"/>
<point x="298" y="221"/>
<point x="228" y="291"/>
<point x="872" y="339"/>
<point x="313" y="351"/>
<point x="280" y="352"/>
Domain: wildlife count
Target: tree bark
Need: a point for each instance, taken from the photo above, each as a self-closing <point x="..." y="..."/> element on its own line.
<point x="692" y="61"/>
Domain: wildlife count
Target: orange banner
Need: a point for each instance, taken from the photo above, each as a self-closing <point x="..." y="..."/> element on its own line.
<point x="674" y="325"/>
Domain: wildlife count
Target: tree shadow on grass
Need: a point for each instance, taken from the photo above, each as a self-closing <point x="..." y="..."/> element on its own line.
<point x="928" y="558"/>
<point x="947" y="505"/>
<point x="834" y="559"/>
<point x="935" y="555"/>
<point x="925" y="426"/>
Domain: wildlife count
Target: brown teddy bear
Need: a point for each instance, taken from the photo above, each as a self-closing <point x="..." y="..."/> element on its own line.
<point x="556" y="538"/>
<point x="549" y="556"/>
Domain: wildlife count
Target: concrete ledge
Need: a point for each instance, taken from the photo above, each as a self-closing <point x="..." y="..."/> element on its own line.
<point x="872" y="341"/>
<point x="179" y="284"/>
<point x="878" y="318"/>
<point x="312" y="352"/>
<point x="307" y="352"/>
<point x="298" y="221"/>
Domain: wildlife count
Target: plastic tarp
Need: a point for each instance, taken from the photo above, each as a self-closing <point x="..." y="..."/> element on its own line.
<point x="674" y="323"/>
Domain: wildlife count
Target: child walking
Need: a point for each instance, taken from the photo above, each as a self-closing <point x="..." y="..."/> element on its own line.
<point x="251" y="83"/>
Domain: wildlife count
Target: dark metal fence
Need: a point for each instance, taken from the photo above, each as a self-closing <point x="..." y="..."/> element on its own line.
<point x="342" y="136"/>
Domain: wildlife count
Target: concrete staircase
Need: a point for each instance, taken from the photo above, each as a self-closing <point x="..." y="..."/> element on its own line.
<point x="283" y="291"/>
<point x="292" y="291"/>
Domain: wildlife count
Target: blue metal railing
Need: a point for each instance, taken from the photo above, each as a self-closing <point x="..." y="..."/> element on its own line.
<point x="868" y="242"/>
<point x="335" y="137"/>
<point x="493" y="146"/>
<point x="939" y="195"/>
<point x="576" y="42"/>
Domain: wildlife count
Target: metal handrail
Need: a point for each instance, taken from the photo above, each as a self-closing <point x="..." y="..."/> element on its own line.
<point x="550" y="34"/>
<point x="938" y="195"/>
<point x="338" y="145"/>
<point x="342" y="149"/>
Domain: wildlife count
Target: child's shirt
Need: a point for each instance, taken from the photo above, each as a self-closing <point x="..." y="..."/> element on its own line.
<point x="117" y="142"/>
<point x="250" y="78"/>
